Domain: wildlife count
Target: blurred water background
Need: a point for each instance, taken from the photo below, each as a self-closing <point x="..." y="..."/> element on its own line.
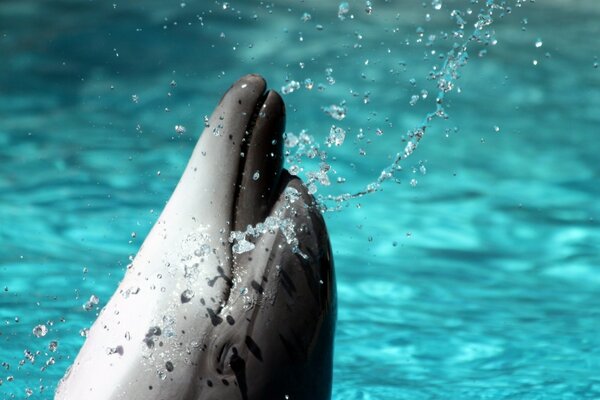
<point x="475" y="276"/>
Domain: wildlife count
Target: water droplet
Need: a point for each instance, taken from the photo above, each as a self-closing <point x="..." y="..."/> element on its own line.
<point x="336" y="136"/>
<point x="53" y="345"/>
<point x="40" y="330"/>
<point x="242" y="246"/>
<point x="203" y="251"/>
<point x="290" y="87"/>
<point x="336" y="112"/>
<point x="343" y="10"/>
<point x="91" y="303"/>
<point x="308" y="83"/>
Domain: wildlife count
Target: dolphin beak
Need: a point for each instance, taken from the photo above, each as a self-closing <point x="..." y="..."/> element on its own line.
<point x="232" y="176"/>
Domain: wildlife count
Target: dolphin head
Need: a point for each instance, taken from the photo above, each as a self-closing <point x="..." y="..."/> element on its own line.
<point x="201" y="316"/>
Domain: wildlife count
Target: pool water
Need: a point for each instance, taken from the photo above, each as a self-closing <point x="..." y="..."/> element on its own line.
<point x="475" y="276"/>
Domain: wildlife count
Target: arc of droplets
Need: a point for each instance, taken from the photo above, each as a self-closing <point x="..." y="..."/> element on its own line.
<point x="445" y="77"/>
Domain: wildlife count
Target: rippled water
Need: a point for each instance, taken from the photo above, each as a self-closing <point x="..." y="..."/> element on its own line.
<point x="480" y="279"/>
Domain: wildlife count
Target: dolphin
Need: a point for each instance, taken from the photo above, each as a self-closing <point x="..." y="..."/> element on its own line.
<point x="196" y="318"/>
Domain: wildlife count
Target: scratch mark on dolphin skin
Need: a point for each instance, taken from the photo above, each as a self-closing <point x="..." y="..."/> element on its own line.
<point x="256" y="286"/>
<point x="253" y="347"/>
<point x="214" y="318"/>
<point x="287" y="283"/>
<point x="238" y="366"/>
<point x="228" y="280"/>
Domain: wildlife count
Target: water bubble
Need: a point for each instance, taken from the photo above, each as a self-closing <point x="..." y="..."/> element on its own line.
<point x="180" y="129"/>
<point x="436" y="4"/>
<point x="368" y="7"/>
<point x="84" y="332"/>
<point x="135" y="98"/>
<point x="256" y="176"/>
<point x="538" y="43"/>
<point x="40" y="330"/>
<point x="187" y="295"/>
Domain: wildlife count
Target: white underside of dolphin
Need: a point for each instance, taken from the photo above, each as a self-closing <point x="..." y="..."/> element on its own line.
<point x="191" y="319"/>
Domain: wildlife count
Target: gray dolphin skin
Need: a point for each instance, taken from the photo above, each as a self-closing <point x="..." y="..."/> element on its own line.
<point x="195" y="320"/>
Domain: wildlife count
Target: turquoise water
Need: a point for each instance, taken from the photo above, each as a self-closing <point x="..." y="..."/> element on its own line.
<point x="477" y="276"/>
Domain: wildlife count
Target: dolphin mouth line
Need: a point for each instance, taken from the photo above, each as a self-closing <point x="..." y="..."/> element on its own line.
<point x="244" y="147"/>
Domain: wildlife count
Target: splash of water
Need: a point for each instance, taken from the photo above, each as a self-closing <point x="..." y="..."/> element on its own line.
<point x="444" y="75"/>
